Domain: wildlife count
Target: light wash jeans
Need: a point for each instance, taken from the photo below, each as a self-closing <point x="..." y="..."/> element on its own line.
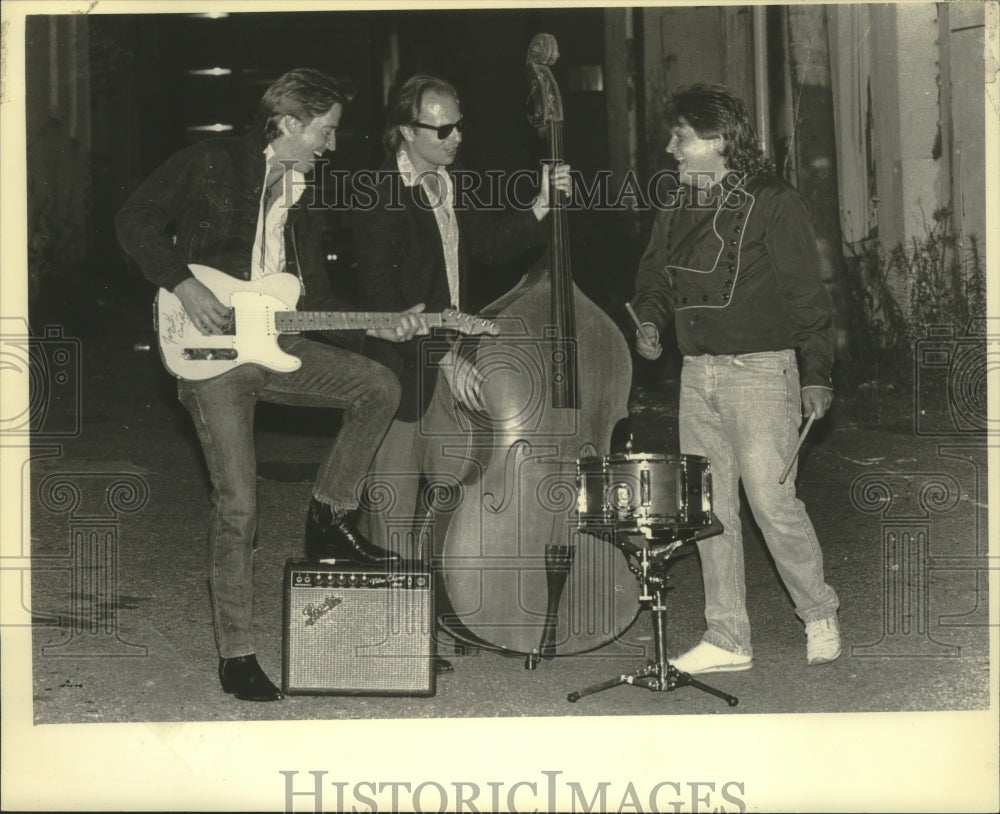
<point x="223" y="412"/>
<point x="743" y="413"/>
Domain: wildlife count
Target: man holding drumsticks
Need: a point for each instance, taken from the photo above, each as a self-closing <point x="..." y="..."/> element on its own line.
<point x="733" y="263"/>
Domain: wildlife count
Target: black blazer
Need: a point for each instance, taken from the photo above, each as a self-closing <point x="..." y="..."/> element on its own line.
<point x="401" y="261"/>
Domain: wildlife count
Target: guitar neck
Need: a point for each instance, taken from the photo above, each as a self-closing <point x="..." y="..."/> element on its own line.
<point x="300" y="321"/>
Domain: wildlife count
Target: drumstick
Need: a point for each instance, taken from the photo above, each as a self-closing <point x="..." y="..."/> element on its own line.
<point x="802" y="437"/>
<point x="644" y="332"/>
<point x="635" y="317"/>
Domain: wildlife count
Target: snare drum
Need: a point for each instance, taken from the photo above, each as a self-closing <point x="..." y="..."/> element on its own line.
<point x="644" y="492"/>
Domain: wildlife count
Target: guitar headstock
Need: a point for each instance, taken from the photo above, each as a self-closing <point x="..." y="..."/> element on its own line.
<point x="468" y="324"/>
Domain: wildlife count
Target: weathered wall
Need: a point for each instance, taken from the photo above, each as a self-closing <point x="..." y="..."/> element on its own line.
<point x="681" y="45"/>
<point x="57" y="125"/>
<point x="909" y="87"/>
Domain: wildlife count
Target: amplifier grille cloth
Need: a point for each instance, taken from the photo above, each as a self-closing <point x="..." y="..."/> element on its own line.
<point x="365" y="639"/>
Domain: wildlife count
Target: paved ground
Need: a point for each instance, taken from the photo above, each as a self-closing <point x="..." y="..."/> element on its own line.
<point x="902" y="518"/>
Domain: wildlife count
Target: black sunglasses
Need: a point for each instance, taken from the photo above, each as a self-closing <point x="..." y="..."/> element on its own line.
<point x="444" y="130"/>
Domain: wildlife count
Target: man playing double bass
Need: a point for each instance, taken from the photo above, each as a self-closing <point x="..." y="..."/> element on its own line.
<point x="415" y="245"/>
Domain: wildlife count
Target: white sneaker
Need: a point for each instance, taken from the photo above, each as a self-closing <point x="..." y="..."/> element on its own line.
<point x="707" y="658"/>
<point x="823" y="641"/>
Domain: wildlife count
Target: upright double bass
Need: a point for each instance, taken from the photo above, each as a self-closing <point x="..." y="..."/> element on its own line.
<point x="517" y="573"/>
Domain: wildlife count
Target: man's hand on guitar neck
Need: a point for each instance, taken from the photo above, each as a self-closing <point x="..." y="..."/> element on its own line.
<point x="203" y="308"/>
<point x="411" y="323"/>
<point x="210" y="317"/>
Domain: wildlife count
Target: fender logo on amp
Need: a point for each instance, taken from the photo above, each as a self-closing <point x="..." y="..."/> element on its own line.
<point x="314" y="613"/>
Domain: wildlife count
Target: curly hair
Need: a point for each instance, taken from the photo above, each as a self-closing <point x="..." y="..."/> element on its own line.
<point x="714" y="110"/>
<point x="304" y="93"/>
<point x="404" y="106"/>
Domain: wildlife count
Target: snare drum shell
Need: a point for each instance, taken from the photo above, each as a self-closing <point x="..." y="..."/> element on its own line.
<point x="644" y="491"/>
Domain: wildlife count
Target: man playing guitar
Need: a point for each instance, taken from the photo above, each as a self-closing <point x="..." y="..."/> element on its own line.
<point x="241" y="206"/>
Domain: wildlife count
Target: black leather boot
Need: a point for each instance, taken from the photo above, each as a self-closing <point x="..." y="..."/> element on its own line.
<point x="332" y="536"/>
<point x="243" y="677"/>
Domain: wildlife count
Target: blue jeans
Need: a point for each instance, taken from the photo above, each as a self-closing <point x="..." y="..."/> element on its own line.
<point x="743" y="413"/>
<point x="223" y="412"/>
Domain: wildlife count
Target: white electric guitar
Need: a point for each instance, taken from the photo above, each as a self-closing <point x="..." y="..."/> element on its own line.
<point x="259" y="312"/>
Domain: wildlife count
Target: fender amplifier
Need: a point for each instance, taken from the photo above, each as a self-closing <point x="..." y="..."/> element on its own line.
<point x="357" y="630"/>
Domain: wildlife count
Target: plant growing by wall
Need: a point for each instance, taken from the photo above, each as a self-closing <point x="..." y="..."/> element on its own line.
<point x="947" y="281"/>
<point x="938" y="278"/>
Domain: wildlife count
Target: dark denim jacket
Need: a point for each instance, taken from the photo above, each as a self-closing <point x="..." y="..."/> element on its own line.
<point x="201" y="206"/>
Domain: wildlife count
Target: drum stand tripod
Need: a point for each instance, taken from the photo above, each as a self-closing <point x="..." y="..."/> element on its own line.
<point x="651" y="571"/>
